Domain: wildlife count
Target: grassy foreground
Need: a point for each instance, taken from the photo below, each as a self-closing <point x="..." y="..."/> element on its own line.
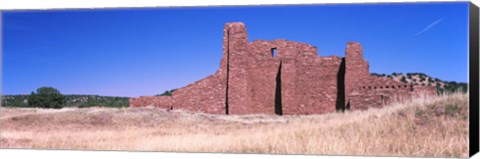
<point x="424" y="126"/>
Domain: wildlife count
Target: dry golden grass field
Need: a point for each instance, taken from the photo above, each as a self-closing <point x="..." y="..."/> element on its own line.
<point x="425" y="126"/>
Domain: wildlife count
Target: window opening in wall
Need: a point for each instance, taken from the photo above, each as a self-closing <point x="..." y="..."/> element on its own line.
<point x="386" y="87"/>
<point x="393" y="86"/>
<point x="274" y="52"/>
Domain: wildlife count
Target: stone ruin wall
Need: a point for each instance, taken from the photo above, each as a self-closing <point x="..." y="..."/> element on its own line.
<point x="282" y="77"/>
<point x="380" y="91"/>
<point x="281" y="83"/>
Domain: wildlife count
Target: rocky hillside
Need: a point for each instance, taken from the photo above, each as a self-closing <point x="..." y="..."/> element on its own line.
<point x="425" y="80"/>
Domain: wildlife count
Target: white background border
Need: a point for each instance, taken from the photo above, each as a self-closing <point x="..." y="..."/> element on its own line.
<point x="49" y="4"/>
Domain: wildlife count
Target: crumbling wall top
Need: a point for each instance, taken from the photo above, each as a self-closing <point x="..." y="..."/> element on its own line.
<point x="354" y="50"/>
<point x="235" y="28"/>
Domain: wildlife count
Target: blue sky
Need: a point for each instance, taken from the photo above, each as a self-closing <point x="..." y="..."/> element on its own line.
<point x="133" y="52"/>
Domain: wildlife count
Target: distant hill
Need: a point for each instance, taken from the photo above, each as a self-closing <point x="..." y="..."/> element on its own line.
<point x="71" y="101"/>
<point x="425" y="80"/>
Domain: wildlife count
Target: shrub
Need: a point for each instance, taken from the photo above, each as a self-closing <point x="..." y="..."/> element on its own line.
<point x="452" y="109"/>
<point x="403" y="79"/>
<point x="419" y="112"/>
<point x="167" y="93"/>
<point x="46" y="97"/>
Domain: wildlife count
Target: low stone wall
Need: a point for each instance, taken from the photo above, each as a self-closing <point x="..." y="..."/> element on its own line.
<point x="382" y="90"/>
<point x="157" y="101"/>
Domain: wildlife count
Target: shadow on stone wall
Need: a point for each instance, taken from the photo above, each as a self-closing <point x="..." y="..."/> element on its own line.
<point x="278" y="91"/>
<point x="340" y="104"/>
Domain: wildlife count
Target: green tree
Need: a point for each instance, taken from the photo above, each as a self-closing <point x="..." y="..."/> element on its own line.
<point x="403" y="79"/>
<point x="167" y="93"/>
<point x="46" y="97"/>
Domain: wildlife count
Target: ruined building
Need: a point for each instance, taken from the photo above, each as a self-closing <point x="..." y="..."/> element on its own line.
<point x="283" y="77"/>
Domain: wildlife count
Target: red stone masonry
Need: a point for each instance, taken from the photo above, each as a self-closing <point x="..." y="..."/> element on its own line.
<point x="283" y="77"/>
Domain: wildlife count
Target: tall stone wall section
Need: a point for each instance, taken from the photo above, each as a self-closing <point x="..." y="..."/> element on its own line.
<point x="282" y="83"/>
<point x="238" y="53"/>
<point x="356" y="69"/>
<point x="262" y="79"/>
<point x="283" y="77"/>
